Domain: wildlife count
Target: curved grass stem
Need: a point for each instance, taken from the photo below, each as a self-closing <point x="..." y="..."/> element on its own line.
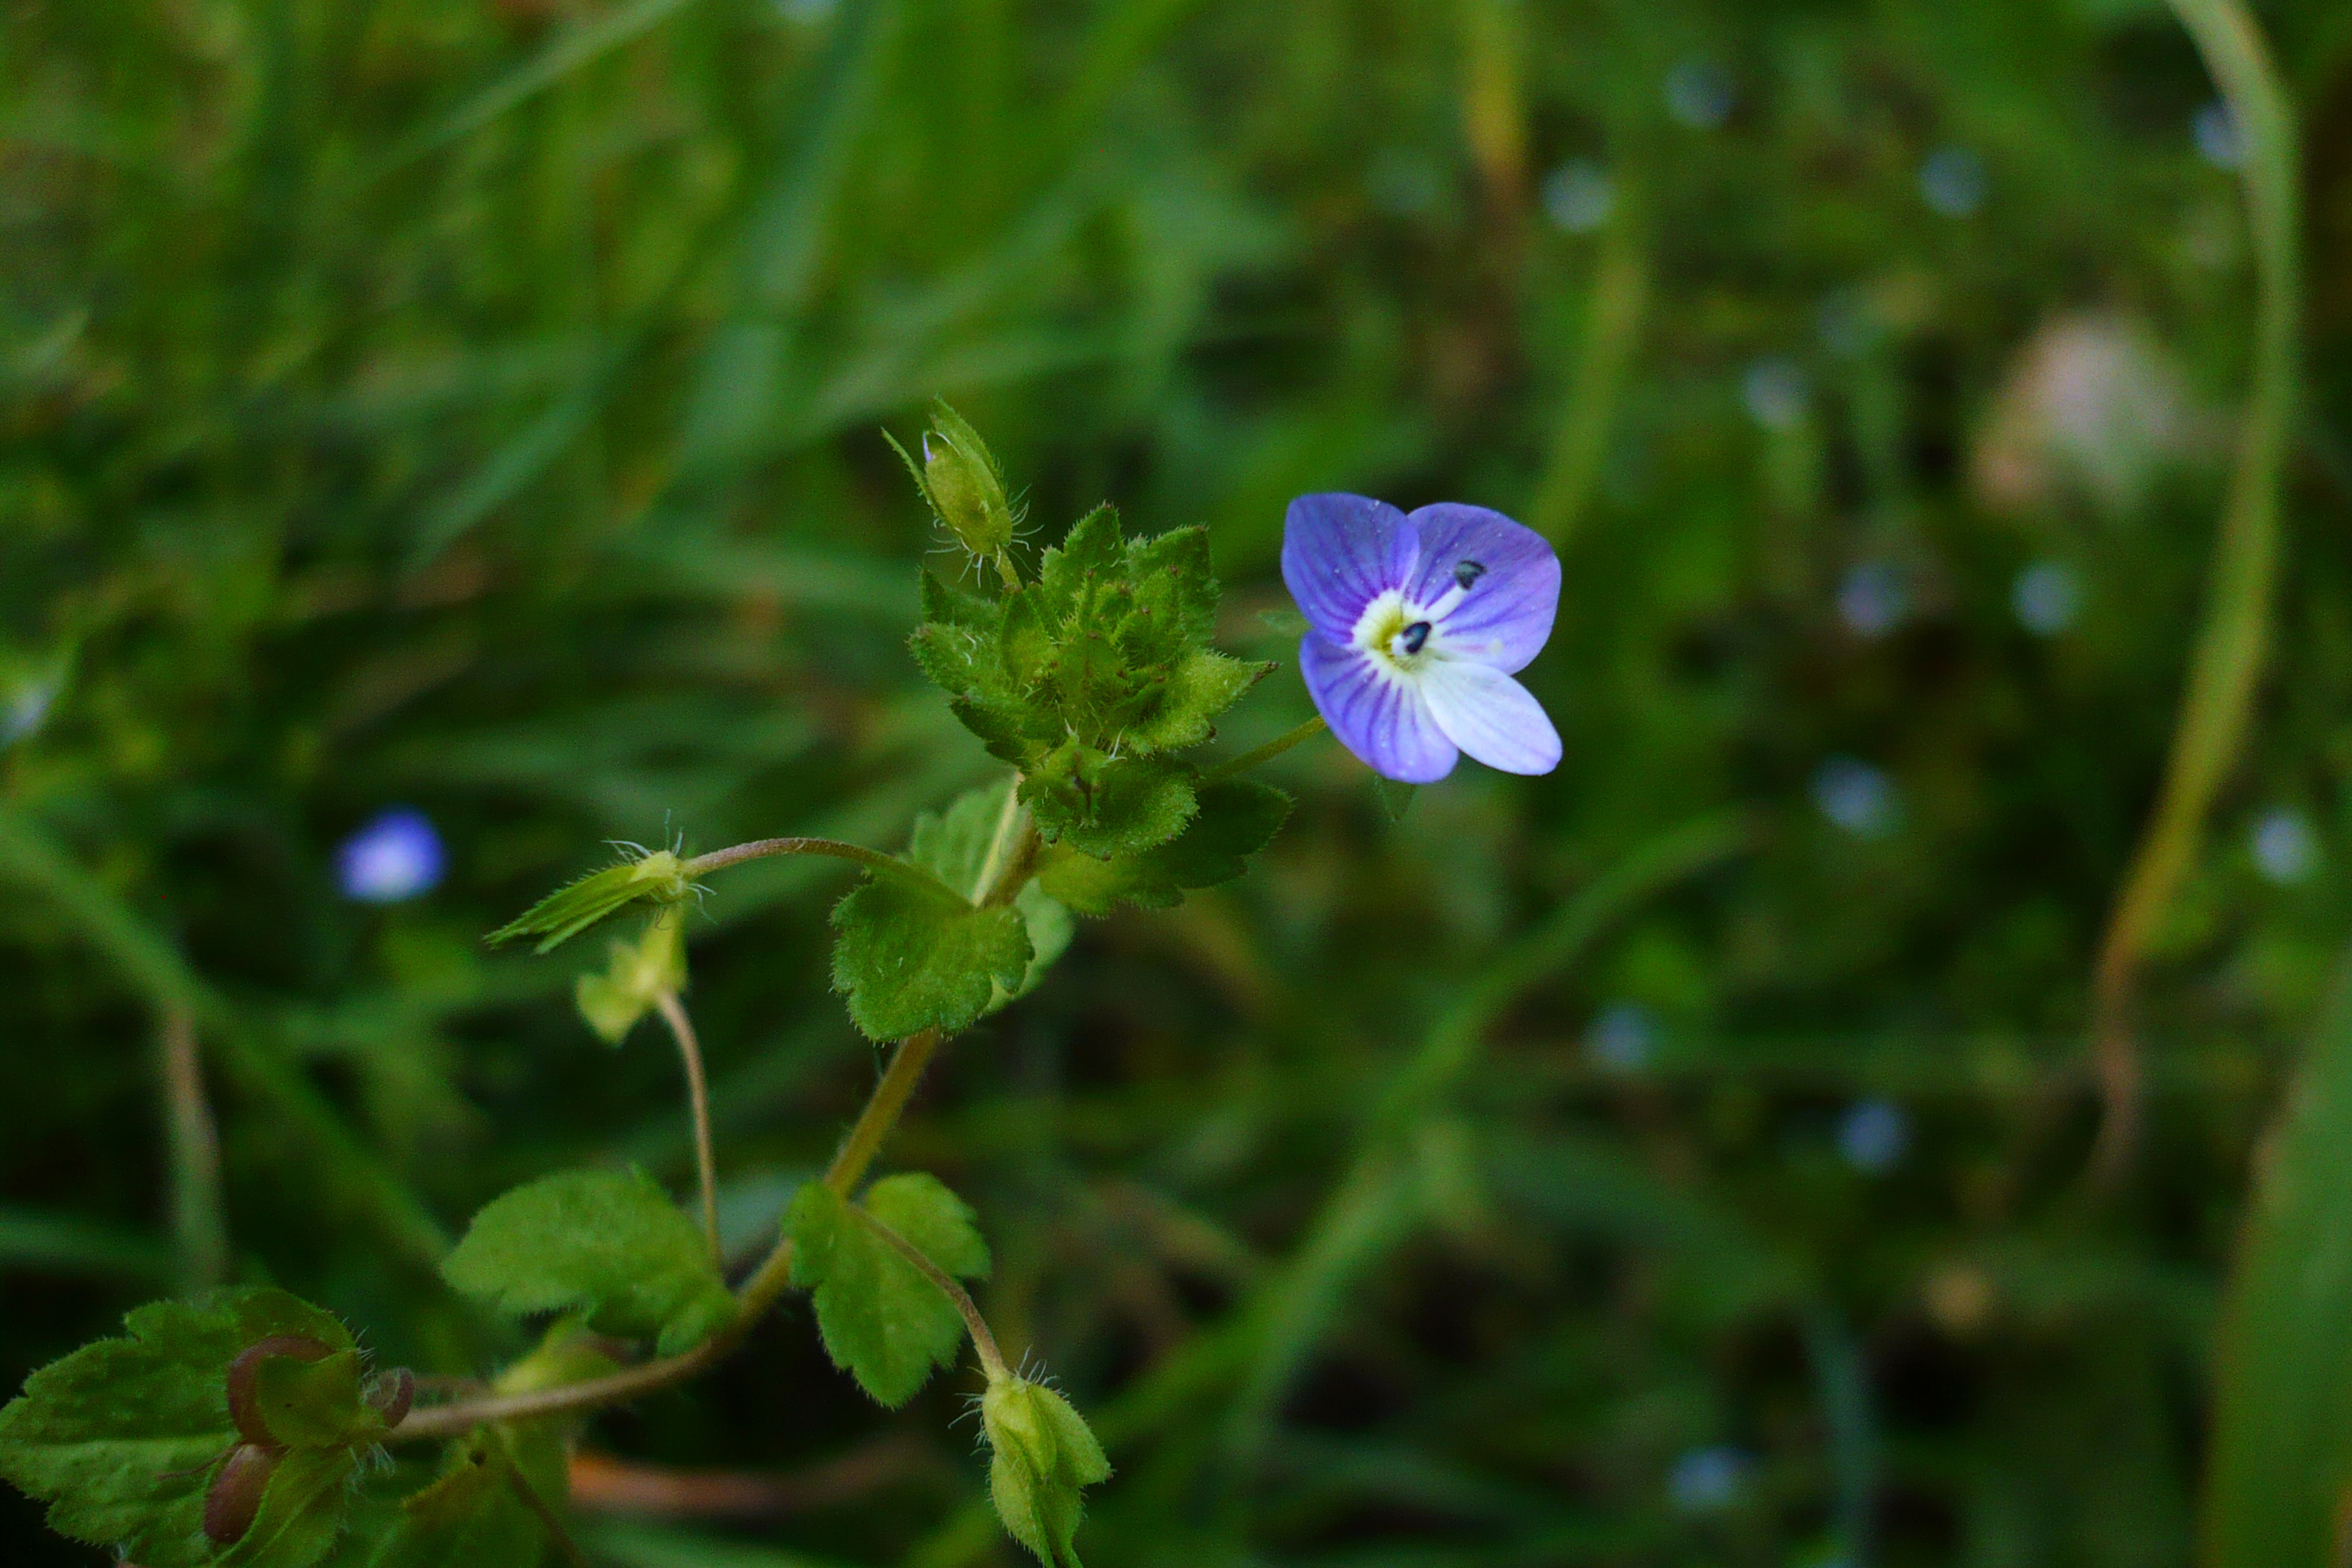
<point x="2226" y="664"/>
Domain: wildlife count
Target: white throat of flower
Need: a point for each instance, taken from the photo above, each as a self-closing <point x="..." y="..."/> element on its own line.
<point x="1405" y="638"/>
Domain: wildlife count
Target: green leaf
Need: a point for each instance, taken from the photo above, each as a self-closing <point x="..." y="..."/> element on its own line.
<point x="120" y="1437"/>
<point x="301" y="1513"/>
<point x="1085" y="677"/>
<point x="2283" y="1404"/>
<point x="964" y="848"/>
<point x="474" y="1515"/>
<point x="1105" y="806"/>
<point x="563" y="914"/>
<point x="314" y="1404"/>
<point x="909" y="959"/>
<point x="636" y="977"/>
<point x="1237" y="818"/>
<point x="1201" y="686"/>
<point x="609" y="1243"/>
<point x="1042" y="1455"/>
<point x="883" y="1322"/>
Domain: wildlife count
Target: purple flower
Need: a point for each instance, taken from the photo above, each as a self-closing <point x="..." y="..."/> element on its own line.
<point x="1416" y="625"/>
<point x="394" y="858"/>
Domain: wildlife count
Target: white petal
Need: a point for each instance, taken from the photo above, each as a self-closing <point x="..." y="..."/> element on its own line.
<point x="1490" y="716"/>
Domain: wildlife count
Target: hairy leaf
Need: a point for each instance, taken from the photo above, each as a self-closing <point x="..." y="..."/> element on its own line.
<point x="573" y="908"/>
<point x="883" y="1322"/>
<point x="608" y="1244"/>
<point x="122" y="1437"/>
<point x="909" y="959"/>
<point x="475" y="1515"/>
<point x="1237" y="818"/>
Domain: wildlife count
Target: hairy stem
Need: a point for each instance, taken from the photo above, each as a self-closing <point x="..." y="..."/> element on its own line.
<point x="991" y="1358"/>
<point x="882" y="1111"/>
<point x="872" y="859"/>
<point x="199" y="1231"/>
<point x="697" y="1095"/>
<point x="1235" y="767"/>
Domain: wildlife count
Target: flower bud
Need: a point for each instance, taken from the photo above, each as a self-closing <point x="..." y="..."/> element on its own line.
<point x="1040" y="1455"/>
<point x="244" y="1403"/>
<point x="234" y="1500"/>
<point x="960" y="478"/>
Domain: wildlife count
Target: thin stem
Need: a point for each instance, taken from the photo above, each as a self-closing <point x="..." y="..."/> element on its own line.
<point x="1267" y="753"/>
<point x="547" y="1518"/>
<point x="881" y="1113"/>
<point x="759" y="1294"/>
<point x="752" y="1303"/>
<point x="1004" y="570"/>
<point x="991" y="1358"/>
<point x="697" y="1095"/>
<point x="198" y="1228"/>
<point x="872" y="859"/>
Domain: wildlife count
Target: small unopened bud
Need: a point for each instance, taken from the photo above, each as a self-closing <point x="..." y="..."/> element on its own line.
<point x="234" y="1500"/>
<point x="960" y="477"/>
<point x="1042" y="1455"/>
<point x="244" y="1405"/>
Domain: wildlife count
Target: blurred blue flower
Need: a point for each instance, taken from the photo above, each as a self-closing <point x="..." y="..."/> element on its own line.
<point x="1848" y="324"/>
<point x="1871" y="600"/>
<point x="396" y="857"/>
<point x="1577" y="197"/>
<point x="1708" y="1479"/>
<point x="2283" y="846"/>
<point x="1404" y="183"/>
<point x="1953" y="181"/>
<point x="2046" y="597"/>
<point x="1856" y="796"/>
<point x="22" y="709"/>
<point x="1621" y="1036"/>
<point x="1776" y="392"/>
<point x="1873" y="1136"/>
<point x="1698" y="94"/>
<point x="2218" y="141"/>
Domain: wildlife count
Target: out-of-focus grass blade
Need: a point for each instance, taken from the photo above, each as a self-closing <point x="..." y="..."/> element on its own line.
<point x="62" y="1244"/>
<point x="2218" y="705"/>
<point x="523" y="457"/>
<point x="29" y="858"/>
<point x="1612" y="326"/>
<point x="576" y="48"/>
<point x="741" y="386"/>
<point x="2281" y="1466"/>
<point x="1379" y="1202"/>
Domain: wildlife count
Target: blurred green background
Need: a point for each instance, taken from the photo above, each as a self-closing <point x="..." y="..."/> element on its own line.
<point x="473" y="405"/>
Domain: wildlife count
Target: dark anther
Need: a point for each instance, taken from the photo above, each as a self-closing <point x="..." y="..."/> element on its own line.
<point x="1468" y="572"/>
<point x="1415" y="635"/>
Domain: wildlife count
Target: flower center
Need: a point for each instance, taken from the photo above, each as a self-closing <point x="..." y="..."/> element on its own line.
<point x="1395" y="632"/>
